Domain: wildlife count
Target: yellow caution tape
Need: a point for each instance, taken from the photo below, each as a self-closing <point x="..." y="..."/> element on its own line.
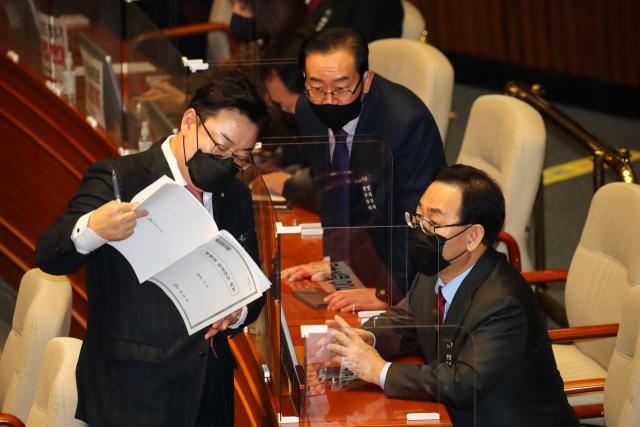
<point x="573" y="169"/>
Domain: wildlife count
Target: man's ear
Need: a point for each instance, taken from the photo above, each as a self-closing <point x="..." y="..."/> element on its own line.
<point x="475" y="236"/>
<point x="367" y="81"/>
<point x="189" y="119"/>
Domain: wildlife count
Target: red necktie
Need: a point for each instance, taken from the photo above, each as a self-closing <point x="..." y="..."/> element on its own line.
<point x="198" y="195"/>
<point x="441" y="303"/>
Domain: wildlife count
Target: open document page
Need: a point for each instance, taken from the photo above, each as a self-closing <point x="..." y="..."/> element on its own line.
<point x="211" y="282"/>
<point x="177" y="223"/>
<point x="206" y="273"/>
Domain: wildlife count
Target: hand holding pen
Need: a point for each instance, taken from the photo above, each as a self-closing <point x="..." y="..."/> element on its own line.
<point x="115" y="220"/>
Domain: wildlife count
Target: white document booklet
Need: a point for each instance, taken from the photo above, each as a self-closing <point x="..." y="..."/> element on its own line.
<point x="206" y="272"/>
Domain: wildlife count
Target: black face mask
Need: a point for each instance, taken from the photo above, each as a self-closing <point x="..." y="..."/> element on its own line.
<point x="243" y="29"/>
<point x="208" y="172"/>
<point x="425" y="252"/>
<point x="336" y="116"/>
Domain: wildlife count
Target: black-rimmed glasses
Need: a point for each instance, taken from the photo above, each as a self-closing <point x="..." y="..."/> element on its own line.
<point x="224" y="152"/>
<point x="428" y="227"/>
<point x="339" y="94"/>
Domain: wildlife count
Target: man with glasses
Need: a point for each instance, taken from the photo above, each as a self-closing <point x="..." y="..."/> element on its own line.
<point x="344" y="99"/>
<point x="471" y="315"/>
<point x="138" y="365"/>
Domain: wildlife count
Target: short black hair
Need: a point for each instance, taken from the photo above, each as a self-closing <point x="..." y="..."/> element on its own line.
<point x="482" y="200"/>
<point x="333" y="40"/>
<point x="235" y="93"/>
<point x="281" y="56"/>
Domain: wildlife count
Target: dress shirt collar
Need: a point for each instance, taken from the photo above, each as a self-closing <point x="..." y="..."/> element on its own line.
<point x="449" y="290"/>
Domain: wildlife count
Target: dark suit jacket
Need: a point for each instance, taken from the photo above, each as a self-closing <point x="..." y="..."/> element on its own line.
<point x="401" y="162"/>
<point x="501" y="358"/>
<point x="372" y="19"/>
<point x="138" y="366"/>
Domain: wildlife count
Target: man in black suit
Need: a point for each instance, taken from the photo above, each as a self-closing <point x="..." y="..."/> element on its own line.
<point x="372" y="19"/>
<point x="344" y="99"/>
<point x="138" y="365"/>
<point x="471" y="315"/>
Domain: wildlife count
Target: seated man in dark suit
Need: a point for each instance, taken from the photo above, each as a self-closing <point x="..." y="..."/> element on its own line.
<point x="345" y="100"/>
<point x="138" y="365"/>
<point x="488" y="356"/>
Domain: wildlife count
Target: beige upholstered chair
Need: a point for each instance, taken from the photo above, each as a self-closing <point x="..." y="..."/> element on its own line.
<point x="413" y="22"/>
<point x="505" y="137"/>
<point x="622" y="388"/>
<point x="43" y="312"/>
<point x="218" y="42"/>
<point x="605" y="265"/>
<point x="429" y="75"/>
<point x="57" y="395"/>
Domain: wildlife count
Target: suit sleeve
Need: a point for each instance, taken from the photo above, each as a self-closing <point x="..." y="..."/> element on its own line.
<point x="395" y="330"/>
<point x="491" y="350"/>
<point x="55" y="251"/>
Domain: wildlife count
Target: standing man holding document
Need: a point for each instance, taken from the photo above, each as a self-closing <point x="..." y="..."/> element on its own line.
<point x="138" y="364"/>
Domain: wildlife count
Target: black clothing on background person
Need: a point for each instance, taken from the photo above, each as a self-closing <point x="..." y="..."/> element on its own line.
<point x="138" y="365"/>
<point x="502" y="370"/>
<point x="372" y="19"/>
<point x="400" y="166"/>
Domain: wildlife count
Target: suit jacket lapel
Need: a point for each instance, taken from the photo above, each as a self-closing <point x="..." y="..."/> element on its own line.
<point x="156" y="164"/>
<point x="462" y="300"/>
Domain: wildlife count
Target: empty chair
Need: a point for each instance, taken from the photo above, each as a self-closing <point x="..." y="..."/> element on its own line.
<point x="43" y="312"/>
<point x="413" y="22"/>
<point x="605" y="265"/>
<point x="57" y="395"/>
<point x="419" y="67"/>
<point x="506" y="138"/>
<point x="622" y="387"/>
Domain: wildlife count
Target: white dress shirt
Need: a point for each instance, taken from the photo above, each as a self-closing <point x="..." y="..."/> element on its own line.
<point x="448" y="291"/>
<point x="87" y="241"/>
<point x="350" y="128"/>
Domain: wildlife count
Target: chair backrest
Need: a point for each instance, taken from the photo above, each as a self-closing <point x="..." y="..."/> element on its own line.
<point x="217" y="41"/>
<point x="57" y="395"/>
<point x="605" y="265"/>
<point x="419" y="67"/>
<point x="413" y="23"/>
<point x="622" y="388"/>
<point x="506" y="138"/>
<point x="43" y="312"/>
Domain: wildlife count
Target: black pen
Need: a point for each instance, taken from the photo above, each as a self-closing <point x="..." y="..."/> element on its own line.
<point x="116" y="188"/>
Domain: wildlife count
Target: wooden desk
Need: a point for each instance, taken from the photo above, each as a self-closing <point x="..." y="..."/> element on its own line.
<point x="363" y="406"/>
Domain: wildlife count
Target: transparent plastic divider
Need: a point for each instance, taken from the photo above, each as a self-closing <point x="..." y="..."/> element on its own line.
<point x="342" y="372"/>
<point x="156" y="82"/>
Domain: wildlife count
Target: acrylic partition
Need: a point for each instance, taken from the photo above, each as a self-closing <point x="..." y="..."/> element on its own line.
<point x="103" y="58"/>
<point x="344" y="372"/>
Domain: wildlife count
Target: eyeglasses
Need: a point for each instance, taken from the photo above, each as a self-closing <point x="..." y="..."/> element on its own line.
<point x="428" y="227"/>
<point x="340" y="94"/>
<point x="222" y="152"/>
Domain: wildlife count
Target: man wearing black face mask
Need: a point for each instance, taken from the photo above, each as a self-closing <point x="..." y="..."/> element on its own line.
<point x="471" y="314"/>
<point x="344" y="99"/>
<point x="138" y="365"/>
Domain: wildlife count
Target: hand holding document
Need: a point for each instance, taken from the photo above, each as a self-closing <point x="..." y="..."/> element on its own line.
<point x="205" y="272"/>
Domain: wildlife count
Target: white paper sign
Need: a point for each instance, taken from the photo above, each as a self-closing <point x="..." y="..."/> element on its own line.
<point x="93" y="87"/>
<point x="54" y="45"/>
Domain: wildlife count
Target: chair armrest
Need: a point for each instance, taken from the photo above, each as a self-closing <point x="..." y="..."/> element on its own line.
<point x="584" y="386"/>
<point x="590" y="411"/>
<point x="583" y="332"/>
<point x="10" y="420"/>
<point x="544" y="276"/>
<point x="513" y="251"/>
